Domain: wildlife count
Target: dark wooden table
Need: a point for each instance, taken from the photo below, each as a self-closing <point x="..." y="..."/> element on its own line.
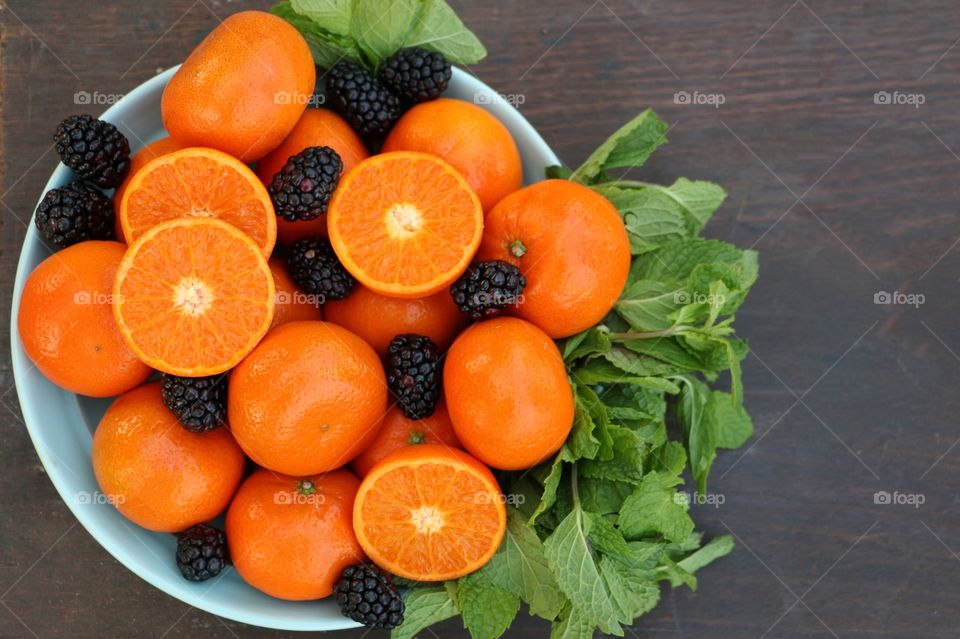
<point x="844" y="197"/>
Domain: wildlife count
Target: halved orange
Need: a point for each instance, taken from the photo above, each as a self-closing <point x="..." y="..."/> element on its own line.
<point x="197" y="182"/>
<point x="429" y="513"/>
<point x="405" y="224"/>
<point x="193" y="296"/>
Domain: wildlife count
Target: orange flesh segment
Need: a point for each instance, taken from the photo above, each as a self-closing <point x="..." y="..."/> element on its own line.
<point x="430" y="520"/>
<point x="193" y="297"/>
<point x="405" y="224"/>
<point x="199" y="182"/>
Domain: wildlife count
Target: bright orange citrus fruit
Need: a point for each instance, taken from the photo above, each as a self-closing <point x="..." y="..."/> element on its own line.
<point x="507" y="393"/>
<point x="157" y="473"/>
<point x="572" y="248"/>
<point x="292" y="304"/>
<point x="397" y="431"/>
<point x="291" y="537"/>
<point x="429" y="513"/>
<point x="308" y="398"/>
<point x="193" y="296"/>
<point x="378" y="318"/>
<point x="66" y="322"/>
<point x="200" y="183"/>
<point x="317" y="127"/>
<point x="243" y="88"/>
<point x="472" y="140"/>
<point x="405" y="224"/>
<point x="137" y="161"/>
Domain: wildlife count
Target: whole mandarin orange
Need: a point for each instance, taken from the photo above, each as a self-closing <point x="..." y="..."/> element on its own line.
<point x="317" y="127"/>
<point x="472" y="140"/>
<point x="158" y="474"/>
<point x="572" y="248"/>
<point x="308" y="398"/>
<point x="292" y="537"/>
<point x="378" y="318"/>
<point x="507" y="393"/>
<point x="397" y="431"/>
<point x="243" y="89"/>
<point x="66" y="322"/>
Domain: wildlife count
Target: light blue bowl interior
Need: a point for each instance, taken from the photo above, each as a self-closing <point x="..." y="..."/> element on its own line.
<point x="61" y="423"/>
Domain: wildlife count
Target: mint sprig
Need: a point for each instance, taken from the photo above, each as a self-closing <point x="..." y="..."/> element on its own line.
<point x="604" y="523"/>
<point x="369" y="31"/>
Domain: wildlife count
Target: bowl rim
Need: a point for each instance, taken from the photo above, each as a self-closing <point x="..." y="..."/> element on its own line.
<point x="102" y="529"/>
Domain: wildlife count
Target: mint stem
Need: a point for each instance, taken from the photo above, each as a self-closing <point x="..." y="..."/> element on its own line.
<point x="673" y="330"/>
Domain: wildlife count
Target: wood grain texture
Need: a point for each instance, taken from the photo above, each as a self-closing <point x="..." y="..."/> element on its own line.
<point x="843" y="197"/>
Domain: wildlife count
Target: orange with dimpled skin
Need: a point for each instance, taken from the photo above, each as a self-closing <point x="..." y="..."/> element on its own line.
<point x="243" y="88"/>
<point x="291" y="537"/>
<point x="157" y="473"/>
<point x="66" y="322"/>
<point x="572" y="248"/>
<point x="308" y="398"/>
<point x="507" y="393"/>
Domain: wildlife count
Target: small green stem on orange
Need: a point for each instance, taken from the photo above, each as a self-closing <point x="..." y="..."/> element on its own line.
<point x="518" y="248"/>
<point x="306" y="487"/>
<point x="416" y="437"/>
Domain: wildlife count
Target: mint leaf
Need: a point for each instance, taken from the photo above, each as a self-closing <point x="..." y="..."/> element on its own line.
<point x="717" y="548"/>
<point x="487" y="609"/>
<point x="709" y="419"/>
<point x="670" y="571"/>
<point x="653" y="508"/>
<point x="331" y="15"/>
<point x="626" y="462"/>
<point x="629" y="146"/>
<point x="327" y="47"/>
<point x="424" y="606"/>
<point x="606" y="539"/>
<point x="572" y="625"/>
<point x="520" y="567"/>
<point x="655" y="214"/>
<point x="602" y="496"/>
<point x="634" y="591"/>
<point x="571" y="559"/>
<point x="438" y="28"/>
<point x="381" y="28"/>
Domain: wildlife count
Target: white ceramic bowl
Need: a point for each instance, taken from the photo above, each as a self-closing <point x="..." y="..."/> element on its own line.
<point x="61" y="423"/>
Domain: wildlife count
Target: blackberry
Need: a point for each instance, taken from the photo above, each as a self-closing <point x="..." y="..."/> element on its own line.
<point x="94" y="149"/>
<point x="413" y="366"/>
<point x="366" y="594"/>
<point x="201" y="552"/>
<point x="315" y="268"/>
<point x="369" y="106"/>
<point x="200" y="403"/>
<point x="74" y="213"/>
<point x="301" y="190"/>
<point x="416" y="74"/>
<point x="487" y="288"/>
